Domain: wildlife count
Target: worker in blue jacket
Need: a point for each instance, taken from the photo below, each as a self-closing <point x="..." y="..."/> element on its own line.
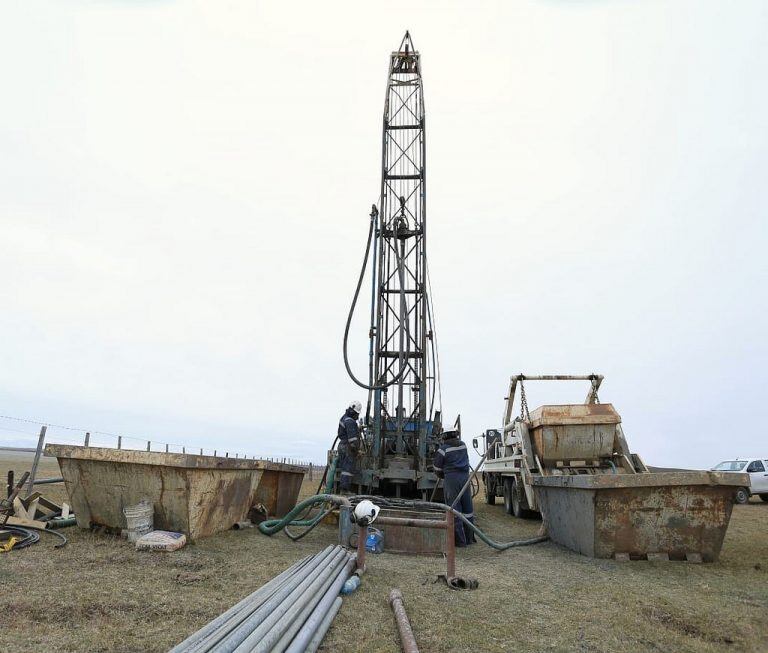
<point x="451" y="463"/>
<point x="349" y="442"/>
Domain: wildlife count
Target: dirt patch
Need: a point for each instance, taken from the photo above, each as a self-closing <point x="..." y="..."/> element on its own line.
<point x="681" y="624"/>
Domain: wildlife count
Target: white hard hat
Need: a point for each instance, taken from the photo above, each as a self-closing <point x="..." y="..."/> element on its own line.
<point x="366" y="512"/>
<point x="356" y="406"/>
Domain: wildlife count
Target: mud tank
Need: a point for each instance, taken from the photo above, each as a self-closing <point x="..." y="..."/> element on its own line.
<point x="571" y="463"/>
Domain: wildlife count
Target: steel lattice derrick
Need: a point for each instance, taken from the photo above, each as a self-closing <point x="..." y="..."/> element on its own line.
<point x="401" y="411"/>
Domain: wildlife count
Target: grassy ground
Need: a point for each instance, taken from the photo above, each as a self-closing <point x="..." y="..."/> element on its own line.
<point x="99" y="594"/>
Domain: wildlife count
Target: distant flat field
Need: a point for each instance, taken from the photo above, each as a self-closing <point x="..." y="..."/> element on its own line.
<point x="99" y="594"/>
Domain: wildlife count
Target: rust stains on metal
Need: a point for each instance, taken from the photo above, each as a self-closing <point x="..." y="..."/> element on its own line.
<point x="684" y="515"/>
<point x="195" y="495"/>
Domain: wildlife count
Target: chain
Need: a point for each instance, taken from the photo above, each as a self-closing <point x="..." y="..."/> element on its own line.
<point x="524" y="414"/>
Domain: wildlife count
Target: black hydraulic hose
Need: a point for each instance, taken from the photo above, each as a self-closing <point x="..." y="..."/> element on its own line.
<point x="311" y="527"/>
<point x="29" y="537"/>
<point x="325" y="472"/>
<point x="403" y="315"/>
<point x="63" y="539"/>
<point x="471" y="476"/>
<point x="499" y="546"/>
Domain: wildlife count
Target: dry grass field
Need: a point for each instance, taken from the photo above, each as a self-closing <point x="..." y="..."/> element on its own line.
<point x="99" y="594"/>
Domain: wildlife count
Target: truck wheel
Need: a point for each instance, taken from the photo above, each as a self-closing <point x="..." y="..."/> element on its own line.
<point x="742" y="495"/>
<point x="764" y="497"/>
<point x="517" y="502"/>
<point x="490" y="490"/>
<point x="508" y="492"/>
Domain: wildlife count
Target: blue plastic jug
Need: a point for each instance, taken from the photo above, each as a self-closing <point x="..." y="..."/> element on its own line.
<point x="375" y="541"/>
<point x="351" y="584"/>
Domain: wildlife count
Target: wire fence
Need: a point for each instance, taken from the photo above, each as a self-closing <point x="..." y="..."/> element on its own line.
<point x="28" y="431"/>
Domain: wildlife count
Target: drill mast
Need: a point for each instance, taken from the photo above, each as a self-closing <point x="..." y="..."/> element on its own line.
<point x="403" y="362"/>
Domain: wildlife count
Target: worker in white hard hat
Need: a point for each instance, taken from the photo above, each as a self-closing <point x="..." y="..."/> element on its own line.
<point x="349" y="442"/>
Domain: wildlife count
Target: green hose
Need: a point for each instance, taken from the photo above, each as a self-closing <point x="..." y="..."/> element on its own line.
<point x="62" y="522"/>
<point x="331" y="478"/>
<point x="272" y="526"/>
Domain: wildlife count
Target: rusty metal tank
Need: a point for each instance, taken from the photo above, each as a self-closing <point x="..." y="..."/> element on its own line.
<point x="573" y="432"/>
<point x="195" y="495"/>
<point x="662" y="516"/>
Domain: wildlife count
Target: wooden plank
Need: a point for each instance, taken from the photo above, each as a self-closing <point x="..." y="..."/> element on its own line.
<point x="18" y="521"/>
<point x="38" y="452"/>
<point x="28" y="501"/>
<point x="49" y="505"/>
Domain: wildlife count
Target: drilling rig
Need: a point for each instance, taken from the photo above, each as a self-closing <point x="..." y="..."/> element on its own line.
<point x="402" y="422"/>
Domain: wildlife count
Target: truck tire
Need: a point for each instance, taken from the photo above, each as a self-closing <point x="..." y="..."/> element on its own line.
<point x="508" y="491"/>
<point x="742" y="495"/>
<point x="517" y="501"/>
<point x="764" y="497"/>
<point x="490" y="490"/>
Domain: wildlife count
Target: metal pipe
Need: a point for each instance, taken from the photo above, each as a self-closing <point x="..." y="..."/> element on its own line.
<point x="362" y="536"/>
<point x="196" y="638"/>
<point x="239" y="626"/>
<point x="318" y="622"/>
<point x="322" y="629"/>
<point x="411" y="521"/>
<point x="450" y="544"/>
<point x="469" y="478"/>
<point x="407" y="640"/>
<point x="558" y="377"/>
<point x="210" y="642"/>
<point x="311" y="606"/>
<point x="271" y="628"/>
<point x="265" y="613"/>
<point x="46" y="481"/>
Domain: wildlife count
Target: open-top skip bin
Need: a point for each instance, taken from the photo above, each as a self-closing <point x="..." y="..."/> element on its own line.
<point x="682" y="515"/>
<point x="196" y="495"/>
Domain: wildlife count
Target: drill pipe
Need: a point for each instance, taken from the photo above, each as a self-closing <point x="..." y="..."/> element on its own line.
<point x="210" y="634"/>
<point x="269" y="631"/>
<point x="322" y="629"/>
<point x="407" y="640"/>
<point x="265" y="611"/>
<point x="315" y="622"/>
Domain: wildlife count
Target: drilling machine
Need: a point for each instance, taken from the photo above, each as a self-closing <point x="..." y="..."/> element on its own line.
<point x="402" y="425"/>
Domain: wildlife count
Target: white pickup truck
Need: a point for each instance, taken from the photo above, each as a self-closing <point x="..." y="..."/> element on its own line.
<point x="757" y="468"/>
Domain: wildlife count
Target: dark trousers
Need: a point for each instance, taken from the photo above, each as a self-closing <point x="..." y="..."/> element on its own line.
<point x="346" y="468"/>
<point x="453" y="483"/>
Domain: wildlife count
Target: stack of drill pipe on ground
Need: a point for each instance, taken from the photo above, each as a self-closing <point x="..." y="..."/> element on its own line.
<point x="290" y="613"/>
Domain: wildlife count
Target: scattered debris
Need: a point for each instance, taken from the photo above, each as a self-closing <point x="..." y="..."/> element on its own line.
<point x="26" y="516"/>
<point x="258" y="513"/>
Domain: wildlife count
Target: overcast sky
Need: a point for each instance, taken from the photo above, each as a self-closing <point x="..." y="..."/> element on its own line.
<point x="184" y="189"/>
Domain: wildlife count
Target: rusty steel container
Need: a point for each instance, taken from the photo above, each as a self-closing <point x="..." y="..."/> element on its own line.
<point x="674" y="515"/>
<point x="573" y="432"/>
<point x="195" y="495"/>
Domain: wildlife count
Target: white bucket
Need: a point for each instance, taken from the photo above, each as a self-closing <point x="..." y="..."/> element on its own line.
<point x="139" y="519"/>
